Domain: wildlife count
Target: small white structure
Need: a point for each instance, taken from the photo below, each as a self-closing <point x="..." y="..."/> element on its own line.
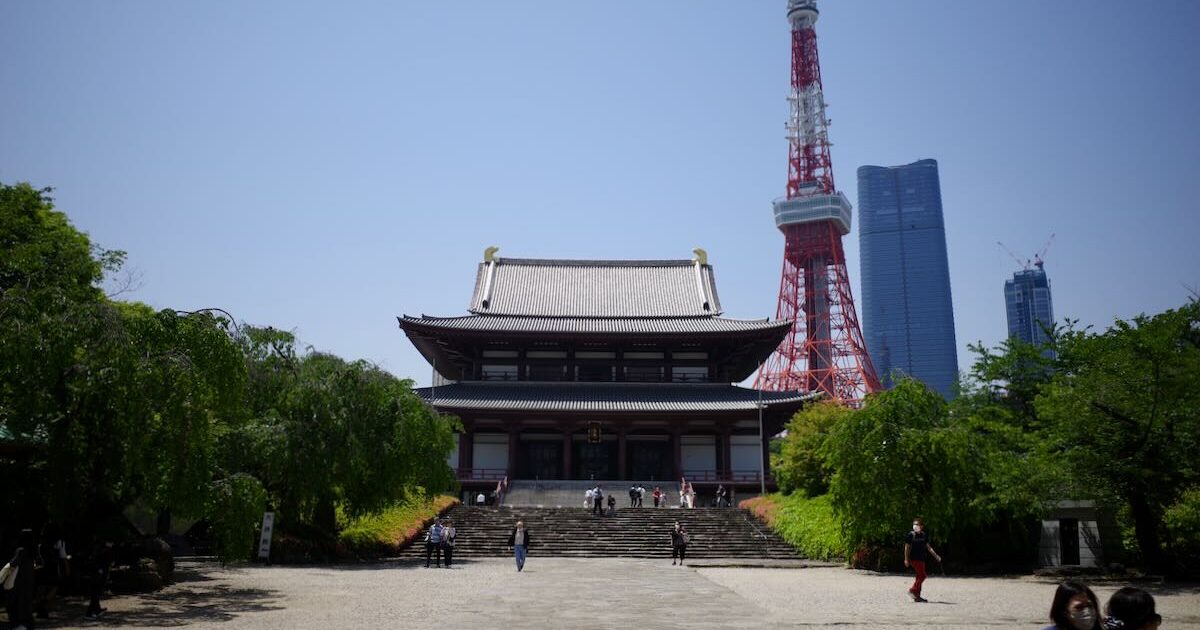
<point x="1071" y="536"/>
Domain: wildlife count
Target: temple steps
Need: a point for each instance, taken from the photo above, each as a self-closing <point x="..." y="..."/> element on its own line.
<point x="630" y="533"/>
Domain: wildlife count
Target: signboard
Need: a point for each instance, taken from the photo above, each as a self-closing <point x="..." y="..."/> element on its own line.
<point x="264" y="543"/>
<point x="593" y="433"/>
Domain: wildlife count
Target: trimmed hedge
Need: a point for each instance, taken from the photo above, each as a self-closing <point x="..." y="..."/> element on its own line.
<point x="393" y="529"/>
<point x="808" y="524"/>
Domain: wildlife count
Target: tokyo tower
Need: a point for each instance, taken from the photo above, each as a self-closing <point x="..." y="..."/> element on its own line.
<point x="824" y="350"/>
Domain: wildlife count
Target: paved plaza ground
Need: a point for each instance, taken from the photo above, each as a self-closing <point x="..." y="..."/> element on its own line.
<point x="576" y="594"/>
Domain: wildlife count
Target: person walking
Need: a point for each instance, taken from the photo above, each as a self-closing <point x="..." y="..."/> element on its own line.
<point x="518" y="542"/>
<point x="679" y="542"/>
<point x="449" y="533"/>
<point x="641" y="494"/>
<point x="598" y="501"/>
<point x="1075" y="607"/>
<point x="1131" y="609"/>
<point x="587" y="498"/>
<point x="633" y="494"/>
<point x="433" y="542"/>
<point x="658" y="495"/>
<point x="722" y="500"/>
<point x="19" y="602"/>
<point x="97" y="572"/>
<point x="916" y="550"/>
<point x="55" y="567"/>
<point x="612" y="505"/>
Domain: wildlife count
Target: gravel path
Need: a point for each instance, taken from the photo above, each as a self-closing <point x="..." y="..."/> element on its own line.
<point x="579" y="594"/>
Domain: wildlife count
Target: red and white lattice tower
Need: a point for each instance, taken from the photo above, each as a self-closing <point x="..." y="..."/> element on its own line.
<point x="824" y="350"/>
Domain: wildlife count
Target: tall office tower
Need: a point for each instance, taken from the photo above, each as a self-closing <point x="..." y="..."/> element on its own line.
<point x="1030" y="310"/>
<point x="908" y="317"/>
<point x="823" y="350"/>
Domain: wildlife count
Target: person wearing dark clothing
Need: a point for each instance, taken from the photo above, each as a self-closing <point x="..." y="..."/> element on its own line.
<point x="54" y="569"/>
<point x="97" y="575"/>
<point x="633" y="496"/>
<point x="598" y="501"/>
<point x="434" y="540"/>
<point x="20" y="599"/>
<point x="612" y="505"/>
<point x="916" y="550"/>
<point x="679" y="542"/>
<point x="518" y="541"/>
<point x="722" y="499"/>
<point x="1075" y="607"/>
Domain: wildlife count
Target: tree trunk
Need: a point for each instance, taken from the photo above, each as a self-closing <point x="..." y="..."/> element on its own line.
<point x="326" y="517"/>
<point x="163" y="527"/>
<point x="1145" y="526"/>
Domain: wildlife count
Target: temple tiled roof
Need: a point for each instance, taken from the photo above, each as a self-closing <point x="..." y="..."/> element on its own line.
<point x="594" y="325"/>
<point x="595" y="288"/>
<point x="605" y="397"/>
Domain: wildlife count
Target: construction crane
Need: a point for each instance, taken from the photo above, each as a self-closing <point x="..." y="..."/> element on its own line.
<point x="1027" y="263"/>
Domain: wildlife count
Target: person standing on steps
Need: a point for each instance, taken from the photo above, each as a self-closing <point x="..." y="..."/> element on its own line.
<point x="641" y="494"/>
<point x="633" y="495"/>
<point x="612" y="505"/>
<point x="448" y="536"/>
<point x="587" y="498"/>
<point x="518" y="542"/>
<point x="658" y="495"/>
<point x="433" y="542"/>
<point x="597" y="501"/>
<point x="916" y="550"/>
<point x="679" y="542"/>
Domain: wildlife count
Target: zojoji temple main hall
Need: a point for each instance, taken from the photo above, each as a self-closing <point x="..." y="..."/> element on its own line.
<point x="604" y="370"/>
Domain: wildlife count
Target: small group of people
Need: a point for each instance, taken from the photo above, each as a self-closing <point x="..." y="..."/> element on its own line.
<point x="32" y="577"/>
<point x="1075" y="607"/>
<point x="637" y="492"/>
<point x="439" y="541"/>
<point x="595" y="499"/>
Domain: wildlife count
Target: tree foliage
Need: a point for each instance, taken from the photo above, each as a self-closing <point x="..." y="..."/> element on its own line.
<point x="801" y="464"/>
<point x="112" y="403"/>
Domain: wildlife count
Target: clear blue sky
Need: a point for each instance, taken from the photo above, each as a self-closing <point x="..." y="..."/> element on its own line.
<point x="327" y="166"/>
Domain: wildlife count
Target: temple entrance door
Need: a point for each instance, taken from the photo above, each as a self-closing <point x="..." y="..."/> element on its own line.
<point x="650" y="460"/>
<point x="540" y="459"/>
<point x="594" y="461"/>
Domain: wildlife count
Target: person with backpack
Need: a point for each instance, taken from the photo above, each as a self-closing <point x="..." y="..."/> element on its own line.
<point x="433" y="542"/>
<point x="916" y="550"/>
<point x="679" y="542"/>
<point x="633" y="495"/>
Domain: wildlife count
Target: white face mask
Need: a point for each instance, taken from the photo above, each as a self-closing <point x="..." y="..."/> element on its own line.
<point x="916" y="528"/>
<point x="1084" y="619"/>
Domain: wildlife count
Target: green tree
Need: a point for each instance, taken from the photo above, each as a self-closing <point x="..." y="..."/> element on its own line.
<point x="1124" y="416"/>
<point x="801" y="463"/>
<point x="899" y="457"/>
<point x="331" y="434"/>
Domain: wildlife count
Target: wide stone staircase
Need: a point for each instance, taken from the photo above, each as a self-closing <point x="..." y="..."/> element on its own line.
<point x="630" y="533"/>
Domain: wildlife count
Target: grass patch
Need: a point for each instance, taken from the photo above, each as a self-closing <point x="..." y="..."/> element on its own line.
<point x="393" y="529"/>
<point x="808" y="524"/>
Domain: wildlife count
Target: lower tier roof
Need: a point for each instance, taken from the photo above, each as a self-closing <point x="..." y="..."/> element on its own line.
<point x="608" y="397"/>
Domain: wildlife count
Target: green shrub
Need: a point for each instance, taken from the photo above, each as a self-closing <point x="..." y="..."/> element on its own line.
<point x="388" y="531"/>
<point x="801" y="464"/>
<point x="808" y="524"/>
<point x="1183" y="531"/>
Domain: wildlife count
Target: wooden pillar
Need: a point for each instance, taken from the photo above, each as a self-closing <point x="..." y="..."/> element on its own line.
<point x="567" y="448"/>
<point x="621" y="459"/>
<point x="466" y="447"/>
<point x="677" y="452"/>
<point x="726" y="454"/>
<point x="514" y="441"/>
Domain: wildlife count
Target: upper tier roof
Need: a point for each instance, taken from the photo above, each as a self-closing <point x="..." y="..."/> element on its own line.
<point x="595" y="288"/>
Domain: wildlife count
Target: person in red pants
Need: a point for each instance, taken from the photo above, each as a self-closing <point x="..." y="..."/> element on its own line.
<point x="916" y="550"/>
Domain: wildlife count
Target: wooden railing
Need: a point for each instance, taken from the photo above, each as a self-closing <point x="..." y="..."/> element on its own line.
<point x="481" y="474"/>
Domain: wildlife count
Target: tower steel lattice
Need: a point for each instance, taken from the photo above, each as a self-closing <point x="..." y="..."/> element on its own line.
<point x="824" y="350"/>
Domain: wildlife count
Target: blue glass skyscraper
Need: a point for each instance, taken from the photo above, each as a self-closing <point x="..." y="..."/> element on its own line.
<point x="908" y="316"/>
<point x="1030" y="310"/>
